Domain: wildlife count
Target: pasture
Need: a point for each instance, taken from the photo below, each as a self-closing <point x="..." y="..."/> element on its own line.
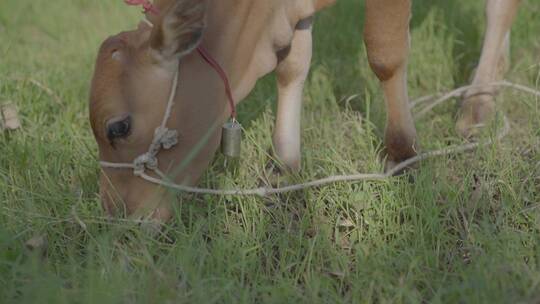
<point x="463" y="228"/>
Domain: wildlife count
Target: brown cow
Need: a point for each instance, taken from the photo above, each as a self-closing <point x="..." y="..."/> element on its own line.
<point x="249" y="38"/>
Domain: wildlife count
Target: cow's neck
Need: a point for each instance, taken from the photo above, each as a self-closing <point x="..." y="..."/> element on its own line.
<point x="201" y="103"/>
<point x="245" y="47"/>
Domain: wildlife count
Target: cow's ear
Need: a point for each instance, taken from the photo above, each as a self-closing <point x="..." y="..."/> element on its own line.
<point x="178" y="29"/>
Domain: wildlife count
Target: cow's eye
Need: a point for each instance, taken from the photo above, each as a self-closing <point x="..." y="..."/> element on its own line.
<point x="118" y="128"/>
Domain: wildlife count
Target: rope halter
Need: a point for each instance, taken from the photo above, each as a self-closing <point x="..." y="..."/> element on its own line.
<point x="164" y="138"/>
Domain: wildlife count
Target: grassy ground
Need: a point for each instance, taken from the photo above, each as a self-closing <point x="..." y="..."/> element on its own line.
<point x="466" y="230"/>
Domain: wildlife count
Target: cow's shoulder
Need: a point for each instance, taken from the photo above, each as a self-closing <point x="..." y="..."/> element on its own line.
<point x="306" y="8"/>
<point x="320" y="4"/>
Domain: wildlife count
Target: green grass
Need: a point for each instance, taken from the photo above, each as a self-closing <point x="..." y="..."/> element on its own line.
<point x="466" y="230"/>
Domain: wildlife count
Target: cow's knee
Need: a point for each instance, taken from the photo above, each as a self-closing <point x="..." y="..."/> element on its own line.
<point x="386" y="65"/>
<point x="386" y="36"/>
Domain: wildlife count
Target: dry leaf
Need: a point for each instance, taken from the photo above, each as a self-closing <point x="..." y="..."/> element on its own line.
<point x="10" y="117"/>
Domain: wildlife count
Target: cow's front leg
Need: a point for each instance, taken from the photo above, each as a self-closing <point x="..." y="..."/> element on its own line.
<point x="291" y="72"/>
<point x="386" y="34"/>
<point x="478" y="106"/>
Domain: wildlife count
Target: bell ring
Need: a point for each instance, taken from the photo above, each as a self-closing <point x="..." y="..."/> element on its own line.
<point x="231" y="139"/>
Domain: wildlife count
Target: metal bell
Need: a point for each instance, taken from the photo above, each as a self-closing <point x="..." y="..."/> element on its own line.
<point x="231" y="139"/>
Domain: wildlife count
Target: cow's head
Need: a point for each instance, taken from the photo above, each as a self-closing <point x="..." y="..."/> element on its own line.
<point x="131" y="85"/>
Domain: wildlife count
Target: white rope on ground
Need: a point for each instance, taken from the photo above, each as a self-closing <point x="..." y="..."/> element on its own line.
<point x="459" y="91"/>
<point x="266" y="191"/>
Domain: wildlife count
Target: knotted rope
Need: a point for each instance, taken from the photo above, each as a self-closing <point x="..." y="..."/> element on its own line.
<point x="163" y="138"/>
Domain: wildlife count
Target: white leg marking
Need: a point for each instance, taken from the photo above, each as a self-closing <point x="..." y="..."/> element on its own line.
<point x="292" y="72"/>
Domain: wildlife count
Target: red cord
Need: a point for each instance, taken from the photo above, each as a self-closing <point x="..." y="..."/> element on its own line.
<point x="149" y="7"/>
<point x="206" y="56"/>
<point x="146" y="4"/>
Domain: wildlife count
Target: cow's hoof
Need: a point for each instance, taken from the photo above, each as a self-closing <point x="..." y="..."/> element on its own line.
<point x="476" y="112"/>
<point x="391" y="165"/>
<point x="276" y="175"/>
<point x="395" y="155"/>
<point x="273" y="175"/>
<point x="151" y="228"/>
